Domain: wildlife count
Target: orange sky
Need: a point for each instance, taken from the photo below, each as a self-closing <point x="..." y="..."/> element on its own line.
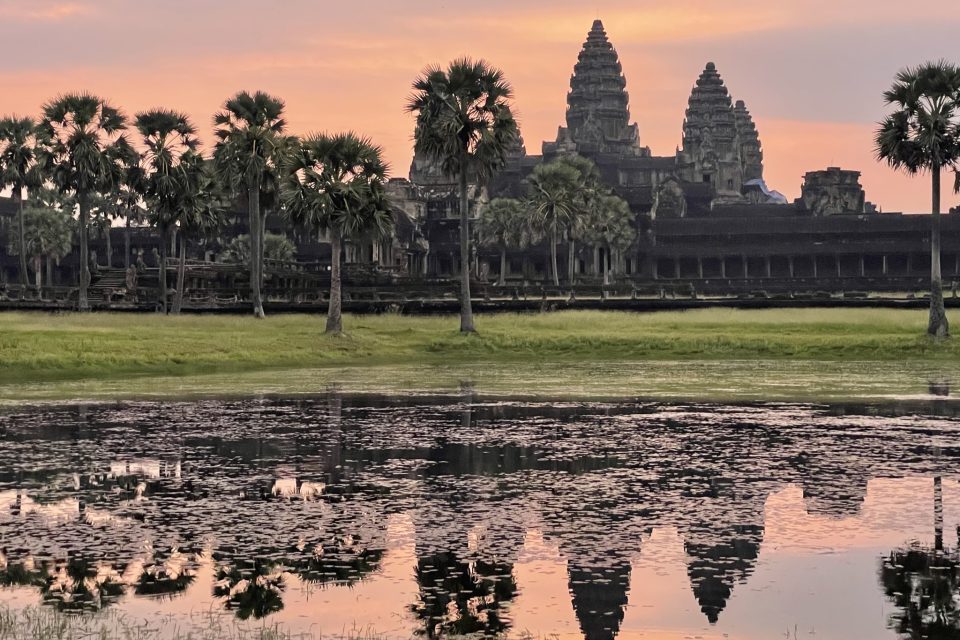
<point x="811" y="71"/>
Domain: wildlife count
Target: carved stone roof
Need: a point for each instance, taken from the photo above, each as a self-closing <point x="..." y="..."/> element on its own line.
<point x="745" y="125"/>
<point x="750" y="148"/>
<point x="598" y="104"/>
<point x="709" y="117"/>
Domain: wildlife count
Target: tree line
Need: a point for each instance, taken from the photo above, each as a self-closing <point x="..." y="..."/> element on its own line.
<point x="80" y="155"/>
<point x="85" y="155"/>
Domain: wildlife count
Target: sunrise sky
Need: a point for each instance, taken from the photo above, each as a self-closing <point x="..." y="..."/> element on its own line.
<point x="811" y="71"/>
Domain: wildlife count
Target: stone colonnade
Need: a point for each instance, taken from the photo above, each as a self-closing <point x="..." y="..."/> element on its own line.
<point x="840" y="265"/>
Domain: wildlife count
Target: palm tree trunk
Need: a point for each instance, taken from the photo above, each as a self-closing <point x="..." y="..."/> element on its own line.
<point x="571" y="267"/>
<point x="938" y="514"/>
<point x="126" y="245"/>
<point x="262" y="244"/>
<point x="553" y="258"/>
<point x="503" y="266"/>
<point x="938" y="327"/>
<point x="163" y="268"/>
<point x="181" y="276"/>
<point x="38" y="271"/>
<point x="253" y="205"/>
<point x="49" y="272"/>
<point x="466" y="306"/>
<point x="22" y="237"/>
<point x="606" y="266"/>
<point x="335" y="307"/>
<point x="83" y="303"/>
<point x="109" y="247"/>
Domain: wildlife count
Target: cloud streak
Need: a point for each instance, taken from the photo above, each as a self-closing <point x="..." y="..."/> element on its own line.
<point x="42" y="11"/>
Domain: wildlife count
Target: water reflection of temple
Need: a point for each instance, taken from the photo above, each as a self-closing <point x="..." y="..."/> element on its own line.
<point x="300" y="493"/>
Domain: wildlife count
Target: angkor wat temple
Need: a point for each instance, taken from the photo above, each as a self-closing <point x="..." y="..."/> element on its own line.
<point x="705" y="215"/>
<point x="707" y="223"/>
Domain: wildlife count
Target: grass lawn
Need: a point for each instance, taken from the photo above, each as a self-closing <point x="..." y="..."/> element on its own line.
<point x="36" y="347"/>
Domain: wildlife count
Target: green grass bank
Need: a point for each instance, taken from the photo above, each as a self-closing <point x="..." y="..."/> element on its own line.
<point x="36" y="347"/>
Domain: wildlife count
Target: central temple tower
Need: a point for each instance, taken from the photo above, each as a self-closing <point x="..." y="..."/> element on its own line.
<point x="598" y="105"/>
<point x="721" y="145"/>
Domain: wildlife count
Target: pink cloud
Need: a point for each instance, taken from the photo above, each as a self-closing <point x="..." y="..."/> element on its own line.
<point x="42" y="11"/>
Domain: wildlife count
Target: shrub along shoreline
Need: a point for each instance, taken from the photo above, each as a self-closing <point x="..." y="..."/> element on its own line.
<point x="37" y="347"/>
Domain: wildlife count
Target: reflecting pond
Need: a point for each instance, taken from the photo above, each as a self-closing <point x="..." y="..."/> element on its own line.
<point x="456" y="513"/>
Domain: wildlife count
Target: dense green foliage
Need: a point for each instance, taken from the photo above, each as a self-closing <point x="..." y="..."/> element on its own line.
<point x="505" y="224"/>
<point x="48" y="233"/>
<point x="607" y="224"/>
<point x="19" y="170"/>
<point x="275" y="247"/>
<point x="568" y="200"/>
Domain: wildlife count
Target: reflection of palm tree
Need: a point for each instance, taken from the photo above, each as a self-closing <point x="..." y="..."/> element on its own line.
<point x="77" y="584"/>
<point x="458" y="597"/>
<point x="342" y="561"/>
<point x="922" y="584"/>
<point x="256" y="591"/>
<point x="165" y="577"/>
<point x="19" y="574"/>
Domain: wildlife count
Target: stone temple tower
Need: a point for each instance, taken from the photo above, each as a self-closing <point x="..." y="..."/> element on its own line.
<point x="711" y="147"/>
<point x="598" y="113"/>
<point x="751" y="153"/>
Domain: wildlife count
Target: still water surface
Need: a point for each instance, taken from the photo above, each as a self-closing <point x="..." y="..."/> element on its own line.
<point x="433" y="515"/>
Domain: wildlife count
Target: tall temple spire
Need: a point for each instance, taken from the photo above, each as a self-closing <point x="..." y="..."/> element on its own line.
<point x="751" y="151"/>
<point x="598" y="114"/>
<point x="710" y="146"/>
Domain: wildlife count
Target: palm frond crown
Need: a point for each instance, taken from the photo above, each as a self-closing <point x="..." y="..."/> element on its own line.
<point x="82" y="143"/>
<point x="923" y="131"/>
<point x="337" y="182"/>
<point x="250" y="139"/>
<point x="464" y="117"/>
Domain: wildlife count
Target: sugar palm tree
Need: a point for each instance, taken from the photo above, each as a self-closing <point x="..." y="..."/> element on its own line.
<point x="335" y="183"/>
<point x="504" y="224"/>
<point x="250" y="144"/>
<point x="125" y="201"/>
<point x="464" y="122"/>
<point x="461" y="598"/>
<point x="103" y="211"/>
<point x="923" y="135"/>
<point x="608" y="225"/>
<point x="270" y="201"/>
<point x="18" y="171"/>
<point x="589" y="188"/>
<point x="82" y="151"/>
<point x="554" y="197"/>
<point x="170" y="142"/>
<point x="201" y="211"/>
<point x="254" y="589"/>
